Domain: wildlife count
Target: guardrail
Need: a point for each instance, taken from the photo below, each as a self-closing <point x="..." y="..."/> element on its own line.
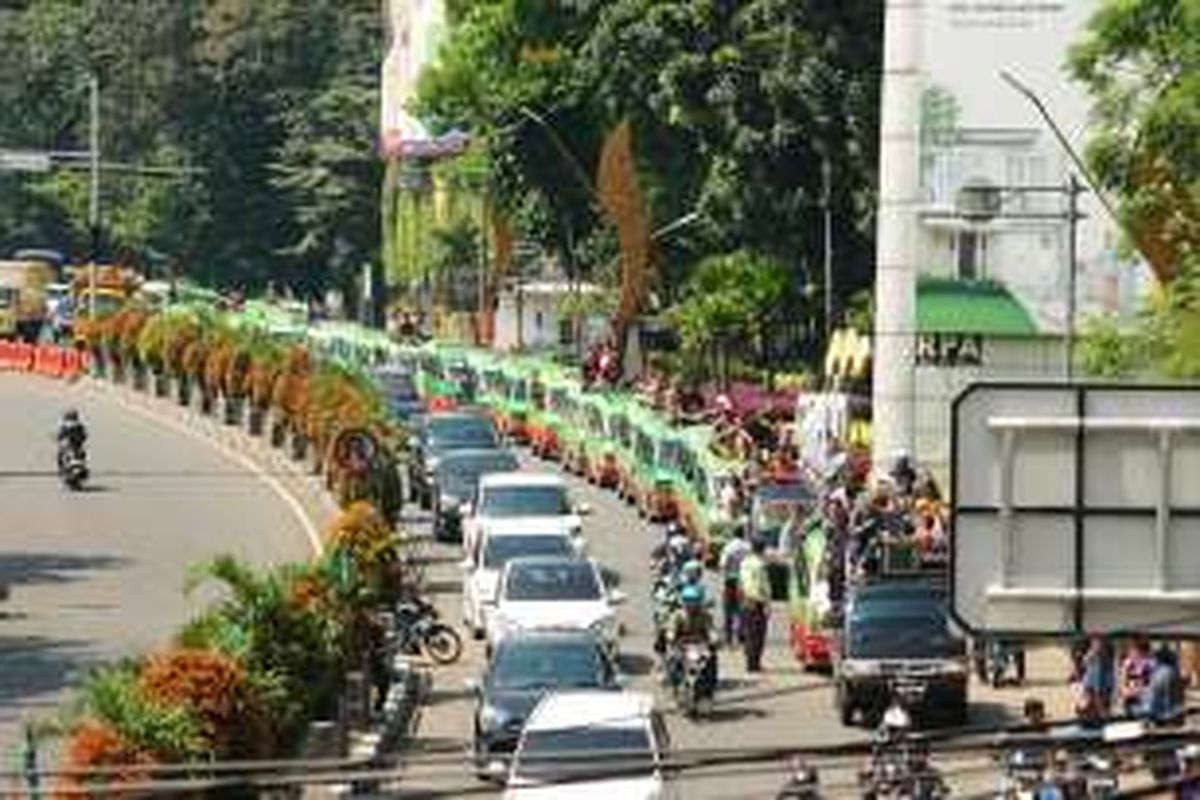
<point x="49" y="360"/>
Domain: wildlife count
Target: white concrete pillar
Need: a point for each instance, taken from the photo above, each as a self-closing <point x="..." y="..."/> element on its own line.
<point x="893" y="402"/>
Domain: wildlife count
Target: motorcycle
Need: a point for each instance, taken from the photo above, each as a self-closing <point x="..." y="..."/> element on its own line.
<point x="803" y="783"/>
<point x="900" y="768"/>
<point x="417" y="631"/>
<point x="690" y="686"/>
<point x="72" y="467"/>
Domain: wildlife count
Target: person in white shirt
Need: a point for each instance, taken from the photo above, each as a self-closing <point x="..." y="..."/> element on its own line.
<point x="730" y="564"/>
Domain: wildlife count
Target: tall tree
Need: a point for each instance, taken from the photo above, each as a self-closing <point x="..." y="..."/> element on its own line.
<point x="1140" y="60"/>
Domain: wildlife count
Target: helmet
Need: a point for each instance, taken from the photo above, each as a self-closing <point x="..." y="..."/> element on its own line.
<point x="692" y="571"/>
<point x="681" y="548"/>
<point x="691" y="596"/>
<point x="71" y="415"/>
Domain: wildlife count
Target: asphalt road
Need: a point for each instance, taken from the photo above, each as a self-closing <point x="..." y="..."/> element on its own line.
<point x="782" y="707"/>
<point x="99" y="575"/>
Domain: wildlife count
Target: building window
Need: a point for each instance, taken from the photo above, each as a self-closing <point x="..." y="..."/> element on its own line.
<point x="972" y="252"/>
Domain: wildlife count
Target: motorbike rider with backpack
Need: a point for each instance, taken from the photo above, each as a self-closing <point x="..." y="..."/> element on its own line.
<point x="72" y="436"/>
<point x="691" y="623"/>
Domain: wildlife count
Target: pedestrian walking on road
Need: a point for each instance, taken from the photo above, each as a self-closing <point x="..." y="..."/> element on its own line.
<point x="732" y="555"/>
<point x="756" y="597"/>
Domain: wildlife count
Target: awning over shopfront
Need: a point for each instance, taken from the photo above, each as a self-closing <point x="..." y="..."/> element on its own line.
<point x="981" y="308"/>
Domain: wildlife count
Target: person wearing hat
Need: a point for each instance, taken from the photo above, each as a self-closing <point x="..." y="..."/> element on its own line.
<point x="756" y="598"/>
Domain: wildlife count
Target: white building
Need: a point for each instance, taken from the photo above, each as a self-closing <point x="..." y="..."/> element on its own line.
<point x="992" y="294"/>
<point x="529" y="317"/>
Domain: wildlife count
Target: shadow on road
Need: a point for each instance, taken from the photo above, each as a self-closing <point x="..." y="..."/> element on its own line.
<point x="18" y="569"/>
<point x="767" y="693"/>
<point x="720" y="713"/>
<point x="985" y="713"/>
<point x="31" y="666"/>
<point x="442" y="587"/>
<point x="636" y="664"/>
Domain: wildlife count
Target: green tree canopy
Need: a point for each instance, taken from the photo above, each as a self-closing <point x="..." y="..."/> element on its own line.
<point x="1140" y="60"/>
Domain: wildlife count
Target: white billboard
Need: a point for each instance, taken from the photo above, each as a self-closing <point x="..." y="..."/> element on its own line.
<point x="1076" y="509"/>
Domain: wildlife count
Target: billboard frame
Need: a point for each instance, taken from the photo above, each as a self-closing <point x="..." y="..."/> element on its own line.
<point x="1078" y="511"/>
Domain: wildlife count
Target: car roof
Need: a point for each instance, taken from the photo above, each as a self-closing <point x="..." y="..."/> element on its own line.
<point x="525" y="526"/>
<point x="590" y="708"/>
<point x="522" y="479"/>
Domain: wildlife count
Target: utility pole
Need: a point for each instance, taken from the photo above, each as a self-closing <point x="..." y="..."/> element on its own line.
<point x="1073" y="190"/>
<point x="826" y="180"/>
<point x="894" y="350"/>
<point x="94" y="191"/>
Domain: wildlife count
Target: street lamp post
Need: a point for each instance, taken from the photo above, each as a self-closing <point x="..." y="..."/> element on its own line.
<point x="94" y="191"/>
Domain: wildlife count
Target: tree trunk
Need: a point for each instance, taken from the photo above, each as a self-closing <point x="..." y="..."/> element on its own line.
<point x="162" y="386"/>
<point x="183" y="390"/>
<point x="255" y="420"/>
<point x="299" y="446"/>
<point x="207" y="402"/>
<point x="233" y="410"/>
<point x="278" y="430"/>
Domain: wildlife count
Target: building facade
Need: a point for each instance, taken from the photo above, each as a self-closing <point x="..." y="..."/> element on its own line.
<point x="994" y="260"/>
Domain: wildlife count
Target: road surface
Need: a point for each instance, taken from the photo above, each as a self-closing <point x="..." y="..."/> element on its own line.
<point x="783" y="707"/>
<point x="98" y="575"/>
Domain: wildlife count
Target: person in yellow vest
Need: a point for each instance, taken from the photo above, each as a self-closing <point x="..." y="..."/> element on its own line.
<point x="756" y="599"/>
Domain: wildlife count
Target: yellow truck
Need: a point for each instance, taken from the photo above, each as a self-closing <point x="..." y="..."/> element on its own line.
<point x="23" y="308"/>
<point x="114" y="287"/>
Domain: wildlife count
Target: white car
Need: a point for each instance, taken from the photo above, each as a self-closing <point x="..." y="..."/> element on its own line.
<point x="500" y="543"/>
<point x="505" y="496"/>
<point x="593" y="724"/>
<point x="546" y="593"/>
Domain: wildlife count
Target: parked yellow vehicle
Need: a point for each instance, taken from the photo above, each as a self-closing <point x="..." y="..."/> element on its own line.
<point x="25" y="310"/>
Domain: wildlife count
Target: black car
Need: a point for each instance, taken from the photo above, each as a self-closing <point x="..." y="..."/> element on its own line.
<point x="455" y="481"/>
<point x="441" y="433"/>
<point x="897" y="636"/>
<point x="399" y="389"/>
<point x="523" y="668"/>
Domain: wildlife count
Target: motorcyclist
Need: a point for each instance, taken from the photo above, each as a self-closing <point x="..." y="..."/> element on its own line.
<point x="691" y="623"/>
<point x="72" y="435"/>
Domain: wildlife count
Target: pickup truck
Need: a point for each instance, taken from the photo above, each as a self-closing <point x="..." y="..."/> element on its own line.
<point x="897" y="636"/>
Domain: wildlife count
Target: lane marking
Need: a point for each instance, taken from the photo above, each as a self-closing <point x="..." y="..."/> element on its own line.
<point x="286" y="495"/>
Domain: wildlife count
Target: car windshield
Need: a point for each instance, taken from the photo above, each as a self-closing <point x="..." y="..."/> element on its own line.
<point x="502" y="549"/>
<point x="551" y="665"/>
<point x="557" y="581"/>
<point x="907" y="633"/>
<point x="581" y="752"/>
<point x="450" y="433"/>
<point x="460" y="477"/>
<point x="525" y="501"/>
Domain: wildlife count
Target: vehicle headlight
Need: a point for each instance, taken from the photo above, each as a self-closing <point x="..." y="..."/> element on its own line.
<point x="605" y="627"/>
<point x="491" y="717"/>
<point x="860" y="669"/>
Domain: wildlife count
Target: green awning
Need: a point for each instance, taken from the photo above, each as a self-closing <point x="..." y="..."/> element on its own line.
<point x="970" y="307"/>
